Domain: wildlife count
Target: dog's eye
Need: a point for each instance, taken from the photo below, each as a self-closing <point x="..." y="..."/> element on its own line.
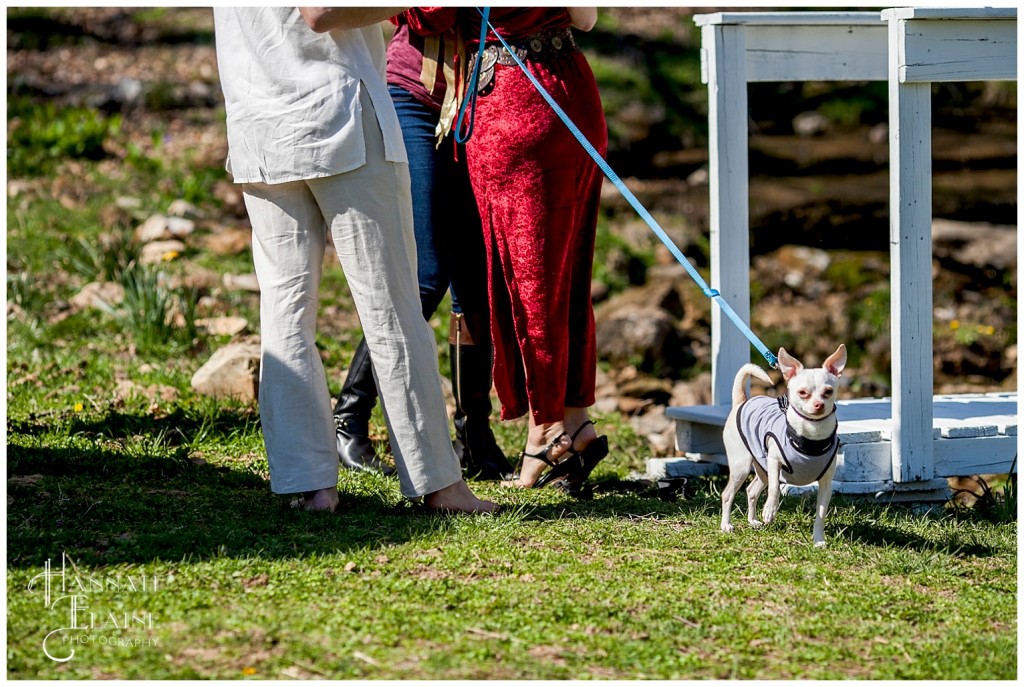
<point x="828" y="392"/>
<point x="804" y="393"/>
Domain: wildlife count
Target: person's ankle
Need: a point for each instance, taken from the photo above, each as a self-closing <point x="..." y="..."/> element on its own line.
<point x="322" y="499"/>
<point x="547" y="436"/>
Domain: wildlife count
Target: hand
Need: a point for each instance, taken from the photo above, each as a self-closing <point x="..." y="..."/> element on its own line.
<point x="583" y="18"/>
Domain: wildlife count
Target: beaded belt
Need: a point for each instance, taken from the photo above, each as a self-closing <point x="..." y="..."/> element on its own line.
<point x="543" y="46"/>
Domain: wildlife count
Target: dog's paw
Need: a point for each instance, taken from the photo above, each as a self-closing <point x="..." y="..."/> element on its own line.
<point x="727" y="527"/>
<point x="820" y="544"/>
<point x="756" y="524"/>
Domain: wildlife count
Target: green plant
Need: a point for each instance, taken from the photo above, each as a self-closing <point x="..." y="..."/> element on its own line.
<point x="998" y="505"/>
<point x="151" y="312"/>
<point x="103" y="259"/>
<point x="23" y="291"/>
<point x="870" y="315"/>
<point x="42" y="135"/>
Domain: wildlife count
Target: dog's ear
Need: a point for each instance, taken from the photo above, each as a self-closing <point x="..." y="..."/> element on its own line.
<point x="836" y="362"/>
<point x="788" y="365"/>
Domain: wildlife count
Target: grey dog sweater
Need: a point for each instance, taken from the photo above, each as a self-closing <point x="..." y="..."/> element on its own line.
<point x="762" y="419"/>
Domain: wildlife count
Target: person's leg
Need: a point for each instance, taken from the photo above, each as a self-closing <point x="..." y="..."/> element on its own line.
<point x="359" y="391"/>
<point x="539" y="229"/>
<point x="469" y="334"/>
<point x="371" y="222"/>
<point x="289" y="236"/>
<point x="352" y="413"/>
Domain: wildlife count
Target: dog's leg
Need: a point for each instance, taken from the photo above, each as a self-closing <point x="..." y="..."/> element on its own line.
<point x="739" y="468"/>
<point x="824" y="496"/>
<point x="771" y="504"/>
<point x="754" y="490"/>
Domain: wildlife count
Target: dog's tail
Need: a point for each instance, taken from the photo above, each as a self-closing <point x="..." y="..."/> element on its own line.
<point x="739" y="385"/>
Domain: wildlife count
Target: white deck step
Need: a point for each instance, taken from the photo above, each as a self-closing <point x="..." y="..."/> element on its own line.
<point x="973" y="434"/>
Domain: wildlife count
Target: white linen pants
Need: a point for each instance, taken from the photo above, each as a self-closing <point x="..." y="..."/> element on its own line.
<point x="369" y="214"/>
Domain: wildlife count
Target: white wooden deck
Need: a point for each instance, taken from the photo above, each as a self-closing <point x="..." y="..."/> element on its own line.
<point x="912" y="440"/>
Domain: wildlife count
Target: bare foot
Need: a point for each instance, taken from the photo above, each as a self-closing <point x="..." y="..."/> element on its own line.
<point x="321" y="499"/>
<point x="457" y="498"/>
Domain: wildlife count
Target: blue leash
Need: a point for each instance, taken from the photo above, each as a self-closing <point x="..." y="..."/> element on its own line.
<point x="614" y="178"/>
<point x="470" y="100"/>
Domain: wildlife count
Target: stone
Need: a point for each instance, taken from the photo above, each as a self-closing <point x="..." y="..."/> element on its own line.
<point x="98" y="295"/>
<point x="228" y="241"/>
<point x="195" y="277"/>
<point x="241" y="282"/>
<point x="810" y="124"/>
<point x="231" y="372"/>
<point x="161" y="251"/>
<point x="159" y="227"/>
<point x="693" y="392"/>
<point x="183" y="208"/>
<point x="223" y="326"/>
<point x="633" y="333"/>
<point x="978" y="244"/>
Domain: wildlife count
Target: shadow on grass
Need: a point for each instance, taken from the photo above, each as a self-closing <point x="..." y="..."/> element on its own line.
<point x="124" y="499"/>
<point x="873" y="534"/>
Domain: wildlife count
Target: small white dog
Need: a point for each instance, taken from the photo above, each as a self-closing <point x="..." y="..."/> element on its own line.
<point x="791" y="438"/>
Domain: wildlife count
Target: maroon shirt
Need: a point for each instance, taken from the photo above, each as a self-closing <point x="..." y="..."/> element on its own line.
<point x="405" y="51"/>
<point x="405" y="63"/>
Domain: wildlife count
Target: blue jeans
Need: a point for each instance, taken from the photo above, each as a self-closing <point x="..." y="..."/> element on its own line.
<point x="446" y="222"/>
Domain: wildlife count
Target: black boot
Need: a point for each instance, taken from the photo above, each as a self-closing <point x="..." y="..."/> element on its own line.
<point x="469" y="345"/>
<point x="352" y="416"/>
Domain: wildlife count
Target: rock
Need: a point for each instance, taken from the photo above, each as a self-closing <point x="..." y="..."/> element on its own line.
<point x="98" y="295"/>
<point x="195" y="277"/>
<point x="161" y="251"/>
<point x="662" y="294"/>
<point x="230" y="195"/>
<point x="128" y="203"/>
<point x="160" y="227"/>
<point x="223" y="326"/>
<point x="695" y="392"/>
<point x="810" y="124"/>
<point x="653" y="388"/>
<point x="16" y="187"/>
<point x="658" y="429"/>
<point x="183" y="208"/>
<point x="241" y="282"/>
<point x="699" y="177"/>
<point x="126" y="388"/>
<point x="638" y="332"/>
<point x="228" y="241"/>
<point x="879" y="134"/>
<point x="231" y="372"/>
<point x="979" y="244"/>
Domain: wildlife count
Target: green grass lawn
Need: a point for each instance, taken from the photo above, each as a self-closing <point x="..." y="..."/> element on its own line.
<point x="619" y="586"/>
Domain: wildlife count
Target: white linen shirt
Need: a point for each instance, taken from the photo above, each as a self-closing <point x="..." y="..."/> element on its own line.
<point x="292" y="95"/>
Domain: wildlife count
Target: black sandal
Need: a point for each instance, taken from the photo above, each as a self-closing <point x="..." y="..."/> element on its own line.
<point x="584" y="461"/>
<point x="557" y="472"/>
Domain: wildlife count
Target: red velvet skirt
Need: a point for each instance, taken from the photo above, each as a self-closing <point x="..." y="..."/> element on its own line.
<point x="538" y="192"/>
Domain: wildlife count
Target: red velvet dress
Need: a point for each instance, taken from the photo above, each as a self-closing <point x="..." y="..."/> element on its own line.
<point x="538" y="192"/>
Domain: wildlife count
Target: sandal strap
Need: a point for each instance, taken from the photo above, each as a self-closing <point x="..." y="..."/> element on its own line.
<point x="543" y="455"/>
<point x="580" y="429"/>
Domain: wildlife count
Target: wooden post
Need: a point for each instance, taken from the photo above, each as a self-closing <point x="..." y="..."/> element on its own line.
<point x="910" y="216"/>
<point x="724" y="64"/>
